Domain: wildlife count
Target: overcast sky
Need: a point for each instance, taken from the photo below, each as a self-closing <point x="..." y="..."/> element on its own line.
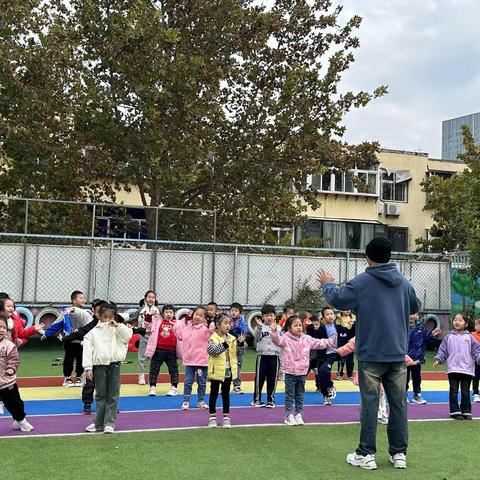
<point x="428" y="53"/>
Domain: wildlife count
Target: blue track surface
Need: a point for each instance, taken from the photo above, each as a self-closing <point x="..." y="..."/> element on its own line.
<point x="52" y="407"/>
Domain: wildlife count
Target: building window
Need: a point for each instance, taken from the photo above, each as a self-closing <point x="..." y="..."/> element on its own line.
<point x="355" y="182"/>
<point x="443" y="175"/>
<point x="399" y="238"/>
<point x="339" y="234"/>
<point x="392" y="190"/>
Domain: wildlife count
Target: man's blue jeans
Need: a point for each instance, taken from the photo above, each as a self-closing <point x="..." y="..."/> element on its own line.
<point x="393" y="376"/>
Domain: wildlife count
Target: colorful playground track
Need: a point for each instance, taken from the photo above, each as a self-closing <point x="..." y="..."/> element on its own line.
<point x="54" y="410"/>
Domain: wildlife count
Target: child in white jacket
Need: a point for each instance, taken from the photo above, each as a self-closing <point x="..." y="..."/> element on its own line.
<point x="104" y="349"/>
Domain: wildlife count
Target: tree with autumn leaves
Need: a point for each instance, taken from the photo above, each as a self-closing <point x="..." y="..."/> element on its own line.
<point x="224" y="105"/>
<point x="455" y="206"/>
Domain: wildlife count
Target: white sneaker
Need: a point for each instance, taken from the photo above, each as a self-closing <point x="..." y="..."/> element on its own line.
<point x="327" y="401"/>
<point x="153" y="391"/>
<point x="185" y="406"/>
<point x="419" y="399"/>
<point x="2" y="410"/>
<point x="363" y="461"/>
<point x="67" y="382"/>
<point x="383" y="420"/>
<point x="332" y="393"/>
<point x="290" y="420"/>
<point x="299" y="419"/>
<point x="79" y="382"/>
<point x="92" y="428"/>
<point x="109" y="429"/>
<point x="202" y="405"/>
<point x="399" y="460"/>
<point x="212" y="422"/>
<point x="22" y="425"/>
<point x="172" y="392"/>
<point x="226" y="422"/>
<point x="476" y="398"/>
<point x="141" y="379"/>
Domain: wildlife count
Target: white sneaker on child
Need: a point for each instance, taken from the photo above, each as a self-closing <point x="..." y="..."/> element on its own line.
<point x="153" y="391"/>
<point x="290" y="420"/>
<point x="363" y="461"/>
<point x="202" y="405"/>
<point x="226" y="422"/>
<point x="383" y="420"/>
<point x="299" y="419"/>
<point x="141" y="379"/>
<point x="185" y="406"/>
<point x="212" y="422"/>
<point x="399" y="460"/>
<point x="67" y="382"/>
<point x="92" y="428"/>
<point x="22" y="425"/>
<point x="172" y="392"/>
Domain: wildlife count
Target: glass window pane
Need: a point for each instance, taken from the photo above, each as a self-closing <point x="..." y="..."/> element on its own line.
<point x="339" y="182"/>
<point x="348" y="182"/>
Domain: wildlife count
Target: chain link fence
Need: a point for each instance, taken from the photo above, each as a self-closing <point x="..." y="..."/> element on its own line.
<point x="45" y="269"/>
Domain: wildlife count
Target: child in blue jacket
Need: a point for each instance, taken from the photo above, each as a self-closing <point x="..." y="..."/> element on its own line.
<point x="419" y="336"/>
<point x="238" y="327"/>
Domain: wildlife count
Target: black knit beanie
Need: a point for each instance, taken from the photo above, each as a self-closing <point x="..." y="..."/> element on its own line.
<point x="379" y="249"/>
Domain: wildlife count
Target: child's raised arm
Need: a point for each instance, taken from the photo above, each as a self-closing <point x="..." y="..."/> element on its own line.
<point x="277" y="338"/>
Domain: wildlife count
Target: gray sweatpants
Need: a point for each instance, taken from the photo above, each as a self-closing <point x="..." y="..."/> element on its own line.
<point x="107" y="392"/>
<point x="142" y="359"/>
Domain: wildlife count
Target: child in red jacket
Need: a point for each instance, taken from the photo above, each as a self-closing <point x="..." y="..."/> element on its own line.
<point x="161" y="347"/>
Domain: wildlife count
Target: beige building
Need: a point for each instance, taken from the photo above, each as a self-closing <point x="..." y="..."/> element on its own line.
<point x="387" y="199"/>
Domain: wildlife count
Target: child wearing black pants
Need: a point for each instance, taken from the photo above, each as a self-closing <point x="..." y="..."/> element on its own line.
<point x="9" y="393"/>
<point x="222" y="368"/>
<point x="267" y="366"/>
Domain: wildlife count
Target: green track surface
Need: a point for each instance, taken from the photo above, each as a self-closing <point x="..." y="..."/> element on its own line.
<point x="438" y="450"/>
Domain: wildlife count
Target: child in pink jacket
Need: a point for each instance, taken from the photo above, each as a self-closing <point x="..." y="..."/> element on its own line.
<point x="382" y="402"/>
<point x="296" y="348"/>
<point x="194" y="335"/>
<point x="9" y="394"/>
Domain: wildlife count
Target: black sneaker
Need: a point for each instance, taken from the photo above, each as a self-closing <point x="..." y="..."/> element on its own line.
<point x="270" y="405"/>
<point x="87" y="408"/>
<point x="457" y="416"/>
<point x="467" y="416"/>
<point x="257" y="404"/>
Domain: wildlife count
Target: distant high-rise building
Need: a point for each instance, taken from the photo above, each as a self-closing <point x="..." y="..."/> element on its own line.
<point x="452" y="140"/>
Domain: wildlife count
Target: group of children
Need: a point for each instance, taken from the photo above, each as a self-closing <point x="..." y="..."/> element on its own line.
<point x="211" y="345"/>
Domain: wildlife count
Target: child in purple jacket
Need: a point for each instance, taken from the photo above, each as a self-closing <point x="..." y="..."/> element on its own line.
<point x="460" y="351"/>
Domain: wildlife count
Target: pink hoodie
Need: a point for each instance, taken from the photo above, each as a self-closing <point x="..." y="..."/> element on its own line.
<point x="296" y="350"/>
<point x="194" y="340"/>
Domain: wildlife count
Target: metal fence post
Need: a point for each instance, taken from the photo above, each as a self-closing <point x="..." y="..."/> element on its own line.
<point x="234" y="282"/>
<point x="109" y="279"/>
<point x="213" y="251"/>
<point x="293" y="278"/>
<point x="24" y="267"/>
<point x="347" y="265"/>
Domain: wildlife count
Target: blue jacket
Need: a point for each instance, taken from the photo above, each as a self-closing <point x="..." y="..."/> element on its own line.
<point x="61" y="325"/>
<point x="239" y="325"/>
<point x="383" y="300"/>
<point x="418" y="337"/>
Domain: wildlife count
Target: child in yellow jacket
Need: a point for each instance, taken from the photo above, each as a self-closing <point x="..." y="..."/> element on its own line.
<point x="222" y="367"/>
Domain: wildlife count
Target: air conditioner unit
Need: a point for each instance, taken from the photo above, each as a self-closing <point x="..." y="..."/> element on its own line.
<point x="392" y="209"/>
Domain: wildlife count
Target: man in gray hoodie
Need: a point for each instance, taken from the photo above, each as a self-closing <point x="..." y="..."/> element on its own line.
<point x="383" y="300"/>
